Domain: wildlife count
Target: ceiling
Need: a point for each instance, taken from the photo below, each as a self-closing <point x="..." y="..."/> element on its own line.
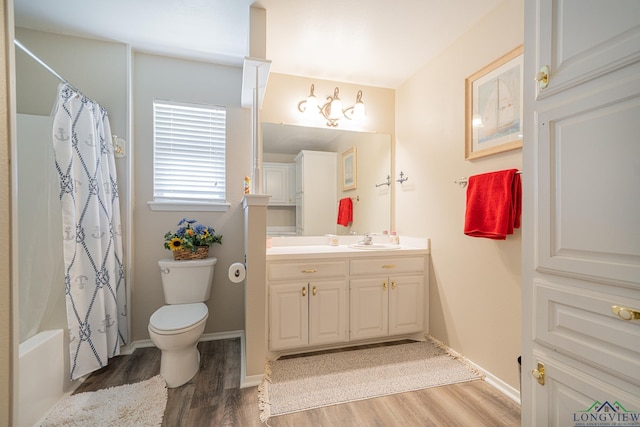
<point x="370" y="42"/>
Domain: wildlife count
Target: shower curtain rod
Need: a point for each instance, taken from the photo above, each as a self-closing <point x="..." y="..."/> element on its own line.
<point x="44" y="64"/>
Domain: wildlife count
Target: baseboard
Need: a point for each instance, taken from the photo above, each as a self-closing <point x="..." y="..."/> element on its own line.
<point x="490" y="379"/>
<point x="251" y="381"/>
<point x="498" y="384"/>
<point x="134" y="345"/>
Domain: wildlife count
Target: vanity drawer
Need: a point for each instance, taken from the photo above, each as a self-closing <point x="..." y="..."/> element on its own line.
<point x="396" y="265"/>
<point x="306" y="270"/>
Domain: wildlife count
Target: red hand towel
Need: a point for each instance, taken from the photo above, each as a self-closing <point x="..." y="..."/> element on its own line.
<point x="494" y="204"/>
<point x="345" y="211"/>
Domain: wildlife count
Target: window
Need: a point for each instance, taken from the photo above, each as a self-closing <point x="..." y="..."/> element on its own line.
<point x="188" y="153"/>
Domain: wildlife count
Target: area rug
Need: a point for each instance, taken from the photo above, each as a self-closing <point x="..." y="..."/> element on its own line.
<point x="139" y="404"/>
<point x="308" y="382"/>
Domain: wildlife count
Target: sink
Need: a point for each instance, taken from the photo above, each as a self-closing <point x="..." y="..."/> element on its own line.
<point x="375" y="246"/>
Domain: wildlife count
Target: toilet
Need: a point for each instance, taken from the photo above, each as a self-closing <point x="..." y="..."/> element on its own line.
<point x="175" y="328"/>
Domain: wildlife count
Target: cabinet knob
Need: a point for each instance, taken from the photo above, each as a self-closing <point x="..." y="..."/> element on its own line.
<point x="314" y="291"/>
<point x="384" y="286"/>
<point x="388" y="266"/>
<point x="393" y="284"/>
<point x="310" y="270"/>
<point x="304" y="291"/>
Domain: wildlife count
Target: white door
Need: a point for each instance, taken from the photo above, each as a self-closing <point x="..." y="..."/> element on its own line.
<point x="581" y="214"/>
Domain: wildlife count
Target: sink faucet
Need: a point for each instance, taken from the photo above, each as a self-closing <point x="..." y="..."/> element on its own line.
<point x="367" y="240"/>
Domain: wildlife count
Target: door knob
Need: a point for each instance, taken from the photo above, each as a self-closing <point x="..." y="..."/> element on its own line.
<point x="626" y="313"/>
<point x="538" y="373"/>
<point x="542" y="77"/>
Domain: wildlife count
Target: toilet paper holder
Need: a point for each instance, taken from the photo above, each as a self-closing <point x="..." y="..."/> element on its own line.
<point x="237" y="272"/>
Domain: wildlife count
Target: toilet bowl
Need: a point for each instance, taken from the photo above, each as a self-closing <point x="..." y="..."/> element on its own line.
<point x="175" y="328"/>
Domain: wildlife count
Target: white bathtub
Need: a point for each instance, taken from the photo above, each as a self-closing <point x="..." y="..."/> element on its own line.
<point x="43" y="375"/>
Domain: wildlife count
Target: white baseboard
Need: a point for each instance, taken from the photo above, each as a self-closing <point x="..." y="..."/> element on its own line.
<point x="491" y="379"/>
<point x="131" y="347"/>
<point x="498" y="384"/>
<point x="251" y="381"/>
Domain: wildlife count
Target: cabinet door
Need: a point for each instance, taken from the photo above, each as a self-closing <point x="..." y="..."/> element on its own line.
<point x="288" y="316"/>
<point x="369" y="303"/>
<point x="406" y="301"/>
<point x="328" y="312"/>
<point x="276" y="183"/>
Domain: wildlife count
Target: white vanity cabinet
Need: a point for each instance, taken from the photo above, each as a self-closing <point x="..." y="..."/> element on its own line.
<point x="386" y="297"/>
<point x="338" y="299"/>
<point x="308" y="304"/>
<point x="279" y="181"/>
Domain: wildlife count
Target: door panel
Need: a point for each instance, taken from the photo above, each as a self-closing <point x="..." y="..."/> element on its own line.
<point x="584" y="231"/>
<point x="570" y="397"/>
<point x="582" y="324"/>
<point x="581" y="40"/>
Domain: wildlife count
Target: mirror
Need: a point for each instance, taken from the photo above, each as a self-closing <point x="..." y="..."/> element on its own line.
<point x="371" y="197"/>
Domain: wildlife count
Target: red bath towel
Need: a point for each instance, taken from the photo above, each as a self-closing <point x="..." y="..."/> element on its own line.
<point x="345" y="211"/>
<point x="494" y="204"/>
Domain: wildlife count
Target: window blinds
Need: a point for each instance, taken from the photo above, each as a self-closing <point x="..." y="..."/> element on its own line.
<point x="189" y="152"/>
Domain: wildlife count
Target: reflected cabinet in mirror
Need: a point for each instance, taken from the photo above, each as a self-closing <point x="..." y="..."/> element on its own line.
<point x="308" y="171"/>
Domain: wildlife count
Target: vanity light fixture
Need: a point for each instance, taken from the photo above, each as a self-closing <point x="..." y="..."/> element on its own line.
<point x="332" y="110"/>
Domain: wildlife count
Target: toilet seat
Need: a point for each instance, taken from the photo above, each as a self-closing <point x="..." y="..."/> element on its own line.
<point x="178" y="318"/>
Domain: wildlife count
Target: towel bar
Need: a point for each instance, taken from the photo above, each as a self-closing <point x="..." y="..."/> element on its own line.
<point x="462" y="182"/>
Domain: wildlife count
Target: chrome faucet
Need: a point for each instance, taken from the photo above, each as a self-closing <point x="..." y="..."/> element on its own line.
<point x="367" y="240"/>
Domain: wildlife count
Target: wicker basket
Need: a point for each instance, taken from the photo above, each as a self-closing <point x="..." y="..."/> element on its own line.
<point x="201" y="252"/>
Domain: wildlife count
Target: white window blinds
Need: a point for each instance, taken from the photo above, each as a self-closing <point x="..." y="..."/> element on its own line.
<point x="188" y="153"/>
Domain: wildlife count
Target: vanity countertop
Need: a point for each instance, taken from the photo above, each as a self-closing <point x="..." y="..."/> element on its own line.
<point x="301" y="248"/>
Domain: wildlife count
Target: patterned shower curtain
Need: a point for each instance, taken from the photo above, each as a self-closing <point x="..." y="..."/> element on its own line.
<point x="92" y="233"/>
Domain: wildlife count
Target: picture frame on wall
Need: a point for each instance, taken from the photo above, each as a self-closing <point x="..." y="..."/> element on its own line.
<point x="494" y="107"/>
<point x="349" y="170"/>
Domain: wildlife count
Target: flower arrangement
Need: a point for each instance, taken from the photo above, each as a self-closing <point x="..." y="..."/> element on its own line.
<point x="190" y="236"/>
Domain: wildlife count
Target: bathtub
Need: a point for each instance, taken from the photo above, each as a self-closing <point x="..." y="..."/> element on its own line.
<point x="43" y="375"/>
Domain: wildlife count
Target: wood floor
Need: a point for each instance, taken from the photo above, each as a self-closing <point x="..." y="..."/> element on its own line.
<point x="213" y="397"/>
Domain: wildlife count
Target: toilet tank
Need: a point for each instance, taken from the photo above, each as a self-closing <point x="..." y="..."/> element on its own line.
<point x="185" y="282"/>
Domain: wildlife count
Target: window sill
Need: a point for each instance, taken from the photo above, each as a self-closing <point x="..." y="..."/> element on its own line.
<point x="189" y="206"/>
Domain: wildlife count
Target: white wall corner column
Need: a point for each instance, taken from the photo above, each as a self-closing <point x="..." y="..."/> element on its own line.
<point x="255" y="297"/>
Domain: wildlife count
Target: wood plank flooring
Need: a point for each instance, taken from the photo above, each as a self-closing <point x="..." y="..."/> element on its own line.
<point x="213" y="397"/>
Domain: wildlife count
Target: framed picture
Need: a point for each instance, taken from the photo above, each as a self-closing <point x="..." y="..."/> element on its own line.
<point x="493" y="116"/>
<point x="349" y="170"/>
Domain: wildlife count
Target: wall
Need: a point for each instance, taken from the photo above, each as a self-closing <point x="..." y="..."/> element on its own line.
<point x="475" y="283"/>
<point x="196" y="82"/>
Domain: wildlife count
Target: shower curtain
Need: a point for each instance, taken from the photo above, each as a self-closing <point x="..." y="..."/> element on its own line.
<point x="95" y="287"/>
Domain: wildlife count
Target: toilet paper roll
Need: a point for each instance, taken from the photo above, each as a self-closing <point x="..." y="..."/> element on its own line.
<point x="237" y="272"/>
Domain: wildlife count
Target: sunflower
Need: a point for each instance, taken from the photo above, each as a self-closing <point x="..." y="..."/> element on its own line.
<point x="175" y="244"/>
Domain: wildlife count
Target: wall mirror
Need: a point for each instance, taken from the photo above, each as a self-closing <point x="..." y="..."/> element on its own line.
<point x="371" y="197"/>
